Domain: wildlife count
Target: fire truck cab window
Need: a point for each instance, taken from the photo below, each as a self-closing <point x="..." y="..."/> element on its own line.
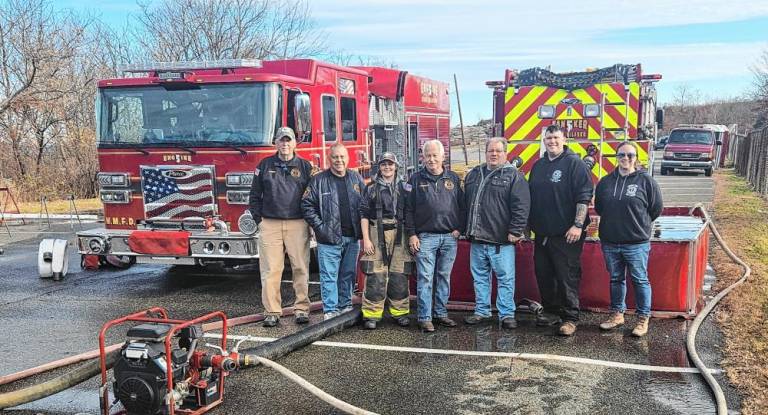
<point x="329" y="118"/>
<point x="198" y="115"/>
<point x="348" y="119"/>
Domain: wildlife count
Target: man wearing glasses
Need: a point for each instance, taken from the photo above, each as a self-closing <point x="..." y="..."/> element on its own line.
<point x="498" y="201"/>
<point x="561" y="189"/>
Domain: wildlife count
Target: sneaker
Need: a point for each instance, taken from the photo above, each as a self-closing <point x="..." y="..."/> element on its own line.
<point x="330" y="315"/>
<point x="403" y="321"/>
<point x="509" y="323"/>
<point x="426" y="326"/>
<point x="616" y="319"/>
<point x="369" y="324"/>
<point x="445" y="321"/>
<point x="642" y="326"/>
<point x="567" y="329"/>
<point x="345" y="309"/>
<point x="302" y="317"/>
<point x="475" y="318"/>
<point x="271" y="321"/>
<point x="544" y="320"/>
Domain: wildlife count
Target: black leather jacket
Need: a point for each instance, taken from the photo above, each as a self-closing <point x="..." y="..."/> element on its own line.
<point x="498" y="203"/>
<point x="320" y="206"/>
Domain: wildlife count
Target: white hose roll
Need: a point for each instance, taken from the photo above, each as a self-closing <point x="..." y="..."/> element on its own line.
<point x="60" y="263"/>
<point x="45" y="258"/>
<point x="52" y="258"/>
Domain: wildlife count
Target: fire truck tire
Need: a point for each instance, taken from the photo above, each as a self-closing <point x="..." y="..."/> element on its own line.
<point x="708" y="172"/>
<point x="120" y="261"/>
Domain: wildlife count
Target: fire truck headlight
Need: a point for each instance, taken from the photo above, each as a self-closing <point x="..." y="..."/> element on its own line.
<point x="546" y="111"/>
<point x="592" y="110"/>
<point x="246" y="224"/>
<point x="115" y="196"/>
<point x="238" y="197"/>
<point x="208" y="247"/>
<point x="239" y="179"/>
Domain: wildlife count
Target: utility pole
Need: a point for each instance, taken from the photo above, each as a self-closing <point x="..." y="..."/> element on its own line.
<point x="461" y="122"/>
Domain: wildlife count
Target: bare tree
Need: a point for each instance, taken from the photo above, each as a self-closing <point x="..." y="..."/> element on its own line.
<point x="174" y="30"/>
<point x="760" y="91"/>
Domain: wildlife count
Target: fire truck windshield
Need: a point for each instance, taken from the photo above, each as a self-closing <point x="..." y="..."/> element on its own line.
<point x="191" y="115"/>
<point x="690" y="137"/>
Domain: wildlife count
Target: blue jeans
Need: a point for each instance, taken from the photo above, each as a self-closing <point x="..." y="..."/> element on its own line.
<point x="338" y="266"/>
<point x="483" y="259"/>
<point x="434" y="263"/>
<point x="620" y="258"/>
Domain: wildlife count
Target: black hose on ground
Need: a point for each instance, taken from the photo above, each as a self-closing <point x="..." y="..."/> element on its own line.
<point x="56" y="385"/>
<point x="301" y="338"/>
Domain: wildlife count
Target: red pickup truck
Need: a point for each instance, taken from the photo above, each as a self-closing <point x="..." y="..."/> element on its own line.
<point x="691" y="148"/>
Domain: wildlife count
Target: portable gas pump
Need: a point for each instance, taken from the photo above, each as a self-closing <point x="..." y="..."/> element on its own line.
<point x="159" y="369"/>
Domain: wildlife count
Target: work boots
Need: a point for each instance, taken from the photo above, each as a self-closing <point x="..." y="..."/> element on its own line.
<point x="642" y="326"/>
<point x="616" y="319"/>
<point x="370" y="324"/>
<point x="271" y="320"/>
<point x="567" y="329"/>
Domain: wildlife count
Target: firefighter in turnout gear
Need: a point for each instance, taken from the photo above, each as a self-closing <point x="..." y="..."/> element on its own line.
<point x="386" y="260"/>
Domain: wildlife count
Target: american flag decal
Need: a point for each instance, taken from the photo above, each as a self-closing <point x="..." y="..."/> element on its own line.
<point x="177" y="192"/>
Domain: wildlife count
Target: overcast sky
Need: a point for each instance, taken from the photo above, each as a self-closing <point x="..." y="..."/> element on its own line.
<point x="708" y="45"/>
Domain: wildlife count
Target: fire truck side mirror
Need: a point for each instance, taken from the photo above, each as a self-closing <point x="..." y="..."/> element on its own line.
<point x="660" y="118"/>
<point x="302" y="115"/>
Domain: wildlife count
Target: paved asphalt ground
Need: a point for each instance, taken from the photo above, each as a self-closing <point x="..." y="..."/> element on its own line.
<point x="43" y="320"/>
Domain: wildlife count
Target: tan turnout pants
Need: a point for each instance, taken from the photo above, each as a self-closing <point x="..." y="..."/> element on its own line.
<point x="384" y="282"/>
<point x="278" y="238"/>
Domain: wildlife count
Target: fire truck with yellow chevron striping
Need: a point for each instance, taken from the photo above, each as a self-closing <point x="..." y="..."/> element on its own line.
<point x="598" y="109"/>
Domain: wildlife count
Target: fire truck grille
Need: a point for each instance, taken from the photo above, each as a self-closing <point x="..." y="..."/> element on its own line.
<point x="178" y="192"/>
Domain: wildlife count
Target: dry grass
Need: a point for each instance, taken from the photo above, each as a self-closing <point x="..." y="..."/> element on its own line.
<point x="61" y="206"/>
<point x="741" y="217"/>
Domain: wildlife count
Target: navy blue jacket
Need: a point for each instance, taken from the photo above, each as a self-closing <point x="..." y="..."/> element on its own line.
<point x="434" y="206"/>
<point x="277" y="188"/>
<point x="320" y="206"/>
<point x="627" y="206"/>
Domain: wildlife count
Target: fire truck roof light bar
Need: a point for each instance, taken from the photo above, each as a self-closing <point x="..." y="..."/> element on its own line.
<point x="190" y="65"/>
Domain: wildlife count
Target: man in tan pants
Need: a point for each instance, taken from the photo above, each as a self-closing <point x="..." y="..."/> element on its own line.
<point x="275" y="204"/>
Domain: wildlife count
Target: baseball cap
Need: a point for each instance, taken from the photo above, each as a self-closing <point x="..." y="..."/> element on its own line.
<point x="285" y="132"/>
<point x="388" y="156"/>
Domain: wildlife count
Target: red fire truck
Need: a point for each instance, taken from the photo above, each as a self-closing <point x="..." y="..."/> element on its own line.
<point x="178" y="143"/>
<point x="599" y="109"/>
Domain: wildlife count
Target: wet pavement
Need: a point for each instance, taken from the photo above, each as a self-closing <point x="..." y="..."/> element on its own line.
<point x="43" y="320"/>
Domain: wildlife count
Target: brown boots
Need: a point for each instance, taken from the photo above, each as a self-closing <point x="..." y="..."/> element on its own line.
<point x="642" y="326"/>
<point x="617" y="319"/>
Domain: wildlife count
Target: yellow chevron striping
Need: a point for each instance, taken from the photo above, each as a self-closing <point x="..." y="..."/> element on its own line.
<point x="509" y="94"/>
<point x="584" y="97"/>
<point x="532" y="95"/>
<point x="532" y="122"/>
<point x="612" y="96"/>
